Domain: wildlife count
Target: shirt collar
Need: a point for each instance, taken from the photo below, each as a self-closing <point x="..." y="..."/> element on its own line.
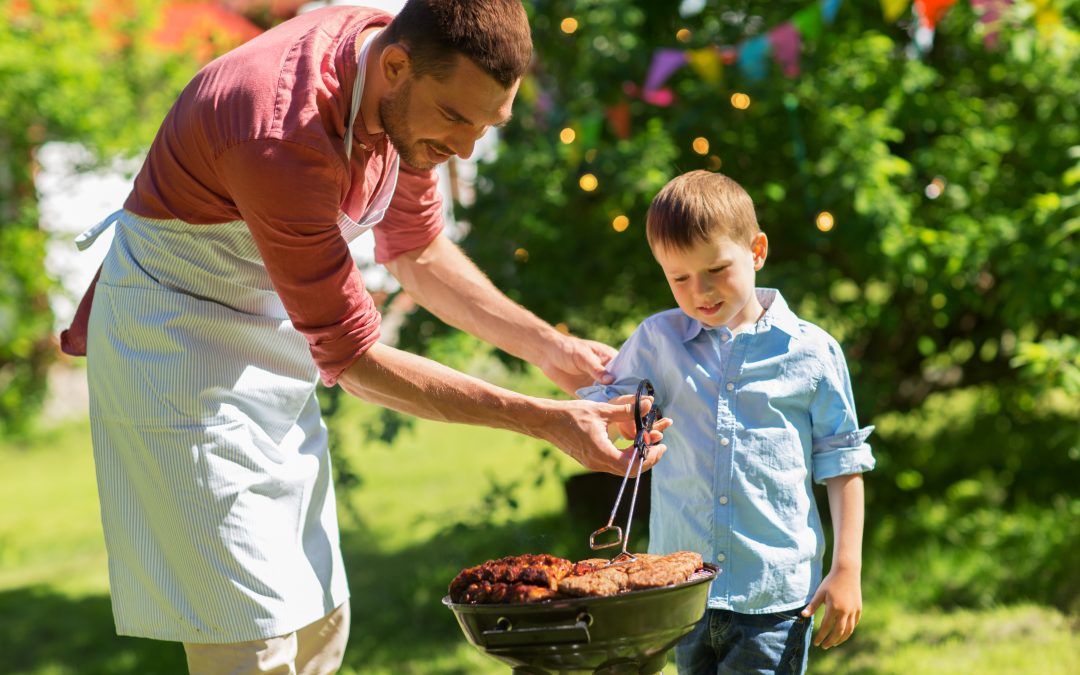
<point x="777" y="315"/>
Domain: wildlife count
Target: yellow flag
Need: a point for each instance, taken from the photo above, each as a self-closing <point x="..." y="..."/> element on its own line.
<point x="892" y="9"/>
<point x="706" y="63"/>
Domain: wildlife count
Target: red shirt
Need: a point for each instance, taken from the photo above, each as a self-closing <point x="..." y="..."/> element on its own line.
<point x="257" y="136"/>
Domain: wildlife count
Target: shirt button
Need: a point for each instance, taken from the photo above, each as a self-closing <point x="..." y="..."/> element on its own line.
<point x="724" y="441"/>
<point x="723" y="337"/>
<point x="723" y="500"/>
<point x="721" y="557"/>
<point x="730" y="386"/>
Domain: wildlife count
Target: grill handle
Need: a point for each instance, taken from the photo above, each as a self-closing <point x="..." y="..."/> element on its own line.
<point x="508" y="636"/>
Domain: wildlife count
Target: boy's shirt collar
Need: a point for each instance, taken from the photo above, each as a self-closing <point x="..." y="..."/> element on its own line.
<point x="777" y="315"/>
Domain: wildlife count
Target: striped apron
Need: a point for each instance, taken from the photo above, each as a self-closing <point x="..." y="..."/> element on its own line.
<point x="214" y="478"/>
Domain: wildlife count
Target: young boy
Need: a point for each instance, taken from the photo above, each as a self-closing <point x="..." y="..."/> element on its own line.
<point x="763" y="406"/>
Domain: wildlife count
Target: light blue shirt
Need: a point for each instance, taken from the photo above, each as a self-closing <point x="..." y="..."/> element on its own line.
<point x="758" y="416"/>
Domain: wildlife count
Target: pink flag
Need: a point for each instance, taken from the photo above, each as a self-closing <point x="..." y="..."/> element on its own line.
<point x="786" y="45"/>
<point x="989" y="12"/>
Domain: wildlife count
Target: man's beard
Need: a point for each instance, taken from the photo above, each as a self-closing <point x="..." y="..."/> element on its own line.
<point x="393" y="113"/>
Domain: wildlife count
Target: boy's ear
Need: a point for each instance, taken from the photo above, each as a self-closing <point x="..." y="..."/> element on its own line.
<point x="760" y="248"/>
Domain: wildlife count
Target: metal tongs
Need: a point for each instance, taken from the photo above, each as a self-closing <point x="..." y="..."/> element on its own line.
<point x="643" y="425"/>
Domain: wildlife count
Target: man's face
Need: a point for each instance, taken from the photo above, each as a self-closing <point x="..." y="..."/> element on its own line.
<point x="713" y="282"/>
<point x="428" y="120"/>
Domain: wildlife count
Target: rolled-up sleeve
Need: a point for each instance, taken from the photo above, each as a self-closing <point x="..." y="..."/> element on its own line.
<point x="289" y="195"/>
<point x="839" y="444"/>
<point x="414" y="217"/>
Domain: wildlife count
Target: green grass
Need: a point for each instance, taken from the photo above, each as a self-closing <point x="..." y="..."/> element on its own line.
<point x="422" y="518"/>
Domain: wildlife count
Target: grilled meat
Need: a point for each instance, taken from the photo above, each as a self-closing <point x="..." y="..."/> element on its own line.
<point x="663" y="571"/>
<point x="538" y="570"/>
<point x="601" y="581"/>
<point x="538" y="577"/>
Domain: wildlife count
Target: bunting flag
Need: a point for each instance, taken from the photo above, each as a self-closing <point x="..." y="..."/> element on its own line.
<point x="664" y="63"/>
<point x="990" y="13"/>
<point x="708" y="63"/>
<point x="893" y="9"/>
<point x="932" y="11"/>
<point x="618" y="116"/>
<point x="786" y="44"/>
<point x="783" y="42"/>
<point x="809" y="21"/>
<point x="752" y="58"/>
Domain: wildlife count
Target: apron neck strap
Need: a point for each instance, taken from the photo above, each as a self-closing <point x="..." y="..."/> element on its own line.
<point x="358" y="91"/>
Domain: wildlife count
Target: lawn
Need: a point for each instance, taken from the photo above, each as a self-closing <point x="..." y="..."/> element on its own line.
<point x="440" y="498"/>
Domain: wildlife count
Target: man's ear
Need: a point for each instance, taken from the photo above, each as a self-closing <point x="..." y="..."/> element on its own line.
<point x="760" y="248"/>
<point x="395" y="63"/>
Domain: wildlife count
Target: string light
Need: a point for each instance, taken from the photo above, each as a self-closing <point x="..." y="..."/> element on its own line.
<point x="567" y="135"/>
<point x="701" y="145"/>
<point x="562" y="328"/>
<point x="715" y="162"/>
<point x="683" y="35"/>
<point x="620" y="223"/>
<point x="588" y="182"/>
<point x="740" y="100"/>
<point x="935" y="188"/>
<point x="569" y="25"/>
<point x="825" y="221"/>
<point x="522" y="255"/>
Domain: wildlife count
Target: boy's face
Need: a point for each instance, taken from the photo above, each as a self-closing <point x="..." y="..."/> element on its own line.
<point x="713" y="282"/>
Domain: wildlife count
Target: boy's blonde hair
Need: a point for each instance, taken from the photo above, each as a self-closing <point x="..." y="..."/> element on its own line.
<point x="695" y="207"/>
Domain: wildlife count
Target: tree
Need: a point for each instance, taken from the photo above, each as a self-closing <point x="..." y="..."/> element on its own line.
<point x="921" y="206"/>
<point x="70" y="70"/>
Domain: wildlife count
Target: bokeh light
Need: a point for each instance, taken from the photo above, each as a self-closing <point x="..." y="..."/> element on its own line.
<point x="701" y="145"/>
<point x="683" y="35"/>
<point x="569" y="25"/>
<point x="521" y="255"/>
<point x="620" y="223"/>
<point x="825" y="221"/>
<point x="567" y="135"/>
<point x="740" y="100"/>
<point x="588" y="182"/>
<point x="935" y="188"/>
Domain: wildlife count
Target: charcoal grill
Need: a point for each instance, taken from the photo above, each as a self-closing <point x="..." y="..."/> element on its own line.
<point x="619" y="634"/>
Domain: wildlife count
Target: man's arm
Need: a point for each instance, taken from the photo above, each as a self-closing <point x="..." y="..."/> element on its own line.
<point x="841" y="590"/>
<point x="421" y="387"/>
<point x="444" y="280"/>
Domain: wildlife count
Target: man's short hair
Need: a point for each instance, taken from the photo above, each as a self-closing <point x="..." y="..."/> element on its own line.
<point x="493" y="34"/>
<point x="697" y="206"/>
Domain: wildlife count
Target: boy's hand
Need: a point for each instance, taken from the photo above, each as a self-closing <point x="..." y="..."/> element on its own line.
<point x="842" y="595"/>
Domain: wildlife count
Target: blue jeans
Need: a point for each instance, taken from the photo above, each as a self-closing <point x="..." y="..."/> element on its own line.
<point x="726" y="642"/>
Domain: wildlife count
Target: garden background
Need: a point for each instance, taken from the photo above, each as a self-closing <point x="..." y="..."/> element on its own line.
<point x="915" y="165"/>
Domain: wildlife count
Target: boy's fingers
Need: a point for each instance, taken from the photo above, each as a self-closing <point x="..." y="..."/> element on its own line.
<point x="815" y="602"/>
<point x="827" y="624"/>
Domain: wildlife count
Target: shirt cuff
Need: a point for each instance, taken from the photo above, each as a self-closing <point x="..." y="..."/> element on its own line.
<point x="842" y="454"/>
<point x="602" y="393"/>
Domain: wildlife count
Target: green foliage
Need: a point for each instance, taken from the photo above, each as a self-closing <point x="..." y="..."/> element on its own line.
<point x="953" y="178"/>
<point x="70" y="70"/>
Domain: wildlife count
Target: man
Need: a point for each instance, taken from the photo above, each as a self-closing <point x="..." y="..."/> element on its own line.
<point x="229" y="290"/>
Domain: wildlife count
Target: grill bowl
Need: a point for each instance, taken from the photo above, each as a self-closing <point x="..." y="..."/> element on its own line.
<point x="626" y="633"/>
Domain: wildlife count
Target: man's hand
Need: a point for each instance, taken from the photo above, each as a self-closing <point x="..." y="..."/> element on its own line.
<point x="627" y="428"/>
<point x="572" y="363"/>
<point x="841" y="593"/>
<point x="579" y="429"/>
